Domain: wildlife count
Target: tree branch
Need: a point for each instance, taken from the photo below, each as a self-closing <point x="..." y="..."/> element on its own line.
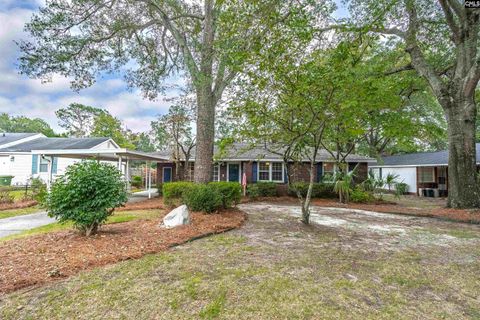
<point x="450" y="20"/>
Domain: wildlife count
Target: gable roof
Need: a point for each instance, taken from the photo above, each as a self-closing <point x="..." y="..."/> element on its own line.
<point x="247" y="152"/>
<point x="421" y="159"/>
<point x="9" y="137"/>
<point x="55" y="144"/>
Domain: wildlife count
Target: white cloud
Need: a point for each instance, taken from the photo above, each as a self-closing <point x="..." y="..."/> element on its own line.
<point x="29" y="97"/>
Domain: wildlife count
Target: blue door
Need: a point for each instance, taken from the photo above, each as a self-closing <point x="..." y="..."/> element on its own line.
<point x="167" y="174"/>
<point x="234" y="172"/>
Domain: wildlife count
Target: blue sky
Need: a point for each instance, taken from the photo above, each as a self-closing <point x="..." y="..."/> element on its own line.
<point x="22" y="96"/>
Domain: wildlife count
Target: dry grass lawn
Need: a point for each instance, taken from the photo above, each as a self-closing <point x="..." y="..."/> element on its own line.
<point x="346" y="266"/>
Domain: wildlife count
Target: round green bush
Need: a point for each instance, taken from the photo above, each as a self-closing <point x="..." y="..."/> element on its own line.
<point x="137" y="181"/>
<point x="87" y="195"/>
<point x="231" y="192"/>
<point x="360" y="196"/>
<point x="203" y="198"/>
<point x="173" y="192"/>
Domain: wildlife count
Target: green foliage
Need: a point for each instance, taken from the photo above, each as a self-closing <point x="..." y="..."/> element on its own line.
<point x="253" y="191"/>
<point x="262" y="189"/>
<point x="106" y="125"/>
<point x="173" y="192"/>
<point x="205" y="198"/>
<point x="137" y="181"/>
<point x="320" y="190"/>
<point x="25" y="124"/>
<point x="160" y="188"/>
<point x="86" y="195"/>
<point x="372" y="183"/>
<point x="359" y="195"/>
<point x="78" y="119"/>
<point x="39" y="190"/>
<point x="391" y="179"/>
<point x="6" y="197"/>
<point x="401" y="188"/>
<point x="174" y="129"/>
<point x="231" y="192"/>
<point x="343" y="185"/>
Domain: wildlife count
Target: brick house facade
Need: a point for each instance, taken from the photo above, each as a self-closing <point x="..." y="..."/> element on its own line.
<point x="259" y="164"/>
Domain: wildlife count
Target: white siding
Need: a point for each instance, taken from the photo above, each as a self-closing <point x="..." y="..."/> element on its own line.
<point x="406" y="175"/>
<point x="21" y="168"/>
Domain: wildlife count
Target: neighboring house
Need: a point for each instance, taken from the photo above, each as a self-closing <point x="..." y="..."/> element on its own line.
<point x="17" y="160"/>
<point x="426" y="173"/>
<point x="259" y="165"/>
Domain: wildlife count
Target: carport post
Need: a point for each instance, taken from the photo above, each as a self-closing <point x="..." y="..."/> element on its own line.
<point x="149" y="180"/>
<point x="120" y="163"/>
<point x="127" y="175"/>
<point x="49" y="172"/>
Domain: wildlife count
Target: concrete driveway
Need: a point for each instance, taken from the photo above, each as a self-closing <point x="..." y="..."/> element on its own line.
<point x="18" y="224"/>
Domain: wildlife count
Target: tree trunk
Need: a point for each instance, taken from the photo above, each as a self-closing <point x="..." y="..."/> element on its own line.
<point x="308" y="198"/>
<point x="206" y="102"/>
<point x="91" y="230"/>
<point x="205" y="140"/>
<point x="463" y="191"/>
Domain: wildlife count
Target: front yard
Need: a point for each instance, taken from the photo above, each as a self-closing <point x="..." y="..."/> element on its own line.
<point x="348" y="265"/>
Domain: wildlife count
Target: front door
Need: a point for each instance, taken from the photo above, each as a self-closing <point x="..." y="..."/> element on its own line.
<point x="167" y="174"/>
<point x="234" y="172"/>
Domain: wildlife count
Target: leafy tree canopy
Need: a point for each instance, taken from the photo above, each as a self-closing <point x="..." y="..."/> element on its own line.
<point x="24" y="124"/>
<point x="78" y="119"/>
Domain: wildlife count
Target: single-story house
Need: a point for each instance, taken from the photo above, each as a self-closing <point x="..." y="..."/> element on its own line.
<point x="425" y="173"/>
<point x="259" y="164"/>
<point x="18" y="157"/>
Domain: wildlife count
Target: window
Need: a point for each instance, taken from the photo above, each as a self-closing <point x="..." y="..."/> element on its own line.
<point x="270" y="171"/>
<point x="43" y="164"/>
<point x="216" y="172"/>
<point x="264" y="171"/>
<point x="426" y="175"/>
<point x="328" y="167"/>
<point x="277" y="171"/>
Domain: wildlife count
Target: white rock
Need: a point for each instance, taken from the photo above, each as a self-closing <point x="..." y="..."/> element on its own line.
<point x="177" y="217"/>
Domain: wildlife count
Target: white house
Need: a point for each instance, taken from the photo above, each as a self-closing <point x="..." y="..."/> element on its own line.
<point x="425" y="173"/>
<point x="17" y="159"/>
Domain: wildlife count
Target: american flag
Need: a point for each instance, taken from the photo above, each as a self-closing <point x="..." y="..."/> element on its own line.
<point x="244" y="183"/>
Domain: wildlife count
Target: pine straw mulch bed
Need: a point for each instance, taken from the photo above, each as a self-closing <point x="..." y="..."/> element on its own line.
<point x="48" y="257"/>
<point x="18" y="205"/>
<point x="457" y="215"/>
<point x="153" y="203"/>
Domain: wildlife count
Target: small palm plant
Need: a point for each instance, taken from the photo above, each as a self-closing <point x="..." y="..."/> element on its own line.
<point x="343" y="186"/>
<point x="391" y="179"/>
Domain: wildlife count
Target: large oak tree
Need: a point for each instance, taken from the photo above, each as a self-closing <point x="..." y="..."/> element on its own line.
<point x="441" y="39"/>
<point x="150" y="40"/>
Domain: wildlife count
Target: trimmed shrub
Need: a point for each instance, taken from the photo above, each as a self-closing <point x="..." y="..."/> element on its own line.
<point x="173" y="192"/>
<point x="231" y="192"/>
<point x="160" y="188"/>
<point x="203" y="198"/>
<point x="359" y="196"/>
<point x="87" y="195"/>
<point x="253" y="191"/>
<point x="320" y="190"/>
<point x="267" y="189"/>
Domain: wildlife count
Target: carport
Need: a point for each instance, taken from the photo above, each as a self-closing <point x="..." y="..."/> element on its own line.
<point x="121" y="156"/>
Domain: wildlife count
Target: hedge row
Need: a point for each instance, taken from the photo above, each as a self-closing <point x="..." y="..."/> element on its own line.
<point x="202" y="197"/>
